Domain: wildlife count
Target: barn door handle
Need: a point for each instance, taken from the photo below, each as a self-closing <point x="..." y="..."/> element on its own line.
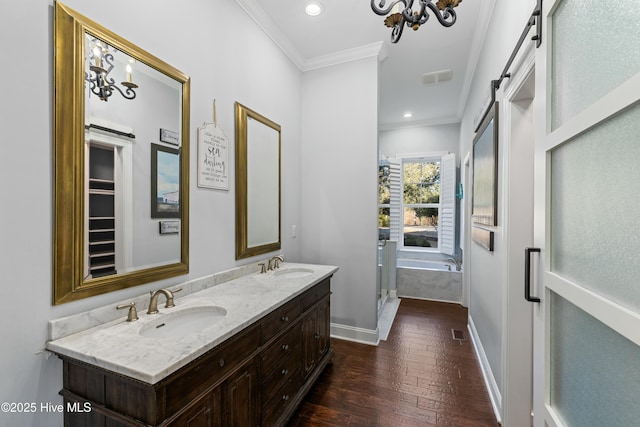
<point x="527" y="274"/>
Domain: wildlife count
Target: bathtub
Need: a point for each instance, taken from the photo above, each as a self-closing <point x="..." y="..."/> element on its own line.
<point x="430" y="280"/>
<point x="425" y="265"/>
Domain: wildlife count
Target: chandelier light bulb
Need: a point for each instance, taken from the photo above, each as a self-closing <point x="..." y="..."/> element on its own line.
<point x="97" y="56"/>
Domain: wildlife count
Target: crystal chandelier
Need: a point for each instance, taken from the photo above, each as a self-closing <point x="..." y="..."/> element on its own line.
<point x="100" y="66"/>
<point x="401" y="12"/>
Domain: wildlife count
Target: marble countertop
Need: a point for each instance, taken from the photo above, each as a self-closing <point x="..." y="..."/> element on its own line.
<point x="117" y="345"/>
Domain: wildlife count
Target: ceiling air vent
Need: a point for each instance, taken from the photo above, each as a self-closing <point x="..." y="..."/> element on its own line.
<point x="436" y="77"/>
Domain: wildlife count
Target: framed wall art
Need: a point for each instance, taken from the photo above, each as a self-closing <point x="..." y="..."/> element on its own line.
<point x="485" y="180"/>
<point x="165" y="182"/>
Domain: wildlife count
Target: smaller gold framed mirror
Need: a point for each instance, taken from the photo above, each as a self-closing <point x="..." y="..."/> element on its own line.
<point x="257" y="183"/>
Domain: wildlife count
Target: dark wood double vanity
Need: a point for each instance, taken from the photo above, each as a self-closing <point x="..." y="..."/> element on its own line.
<point x="257" y="377"/>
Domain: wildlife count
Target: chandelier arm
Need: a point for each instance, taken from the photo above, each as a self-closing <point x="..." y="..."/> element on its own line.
<point x="424" y="16"/>
<point x="93" y="87"/>
<point x="108" y="58"/>
<point x="128" y="93"/>
<point x="448" y="16"/>
<point x="380" y="10"/>
<point x="419" y="18"/>
<point x="396" y="32"/>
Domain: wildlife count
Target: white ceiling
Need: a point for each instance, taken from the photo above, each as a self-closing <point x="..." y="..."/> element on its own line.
<point x="347" y="28"/>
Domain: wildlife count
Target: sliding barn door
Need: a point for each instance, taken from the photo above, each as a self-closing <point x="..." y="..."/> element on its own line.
<point x="587" y="215"/>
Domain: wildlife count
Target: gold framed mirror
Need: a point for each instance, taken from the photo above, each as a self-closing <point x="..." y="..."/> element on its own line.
<point x="257" y="183"/>
<point x="112" y="102"/>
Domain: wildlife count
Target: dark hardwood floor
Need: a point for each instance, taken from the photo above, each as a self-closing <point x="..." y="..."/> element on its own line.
<point x="420" y="376"/>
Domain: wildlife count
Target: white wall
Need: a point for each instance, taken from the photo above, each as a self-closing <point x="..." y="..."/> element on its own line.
<point x="228" y="58"/>
<point x="424" y="139"/>
<point x="485" y="270"/>
<point x="339" y="182"/>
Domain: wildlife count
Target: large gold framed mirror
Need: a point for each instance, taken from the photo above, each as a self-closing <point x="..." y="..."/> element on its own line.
<point x="257" y="183"/>
<point x="121" y="162"/>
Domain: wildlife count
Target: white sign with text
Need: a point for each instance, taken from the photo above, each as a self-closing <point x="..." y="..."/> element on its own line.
<point x="213" y="157"/>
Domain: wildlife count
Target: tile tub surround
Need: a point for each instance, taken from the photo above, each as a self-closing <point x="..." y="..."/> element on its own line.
<point x="436" y="285"/>
<point x="118" y="347"/>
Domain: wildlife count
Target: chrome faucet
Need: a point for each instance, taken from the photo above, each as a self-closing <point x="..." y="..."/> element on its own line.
<point x="153" y="304"/>
<point x="456" y="262"/>
<point x="275" y="262"/>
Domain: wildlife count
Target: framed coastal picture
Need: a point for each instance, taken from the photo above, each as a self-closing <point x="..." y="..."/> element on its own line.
<point x="165" y="182"/>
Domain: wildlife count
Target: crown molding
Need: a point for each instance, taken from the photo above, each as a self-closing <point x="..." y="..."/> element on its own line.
<point x="260" y="17"/>
<point x="377" y="49"/>
<point x="474" y="56"/>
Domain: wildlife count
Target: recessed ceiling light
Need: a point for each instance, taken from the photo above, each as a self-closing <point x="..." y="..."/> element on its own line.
<point x="407" y="115"/>
<point x="313" y="9"/>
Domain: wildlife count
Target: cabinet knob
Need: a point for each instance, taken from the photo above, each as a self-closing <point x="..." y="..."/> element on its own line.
<point x="285" y="371"/>
<point x="317" y="336"/>
<point x="221" y="363"/>
<point x="285" y="397"/>
<point x="285" y="347"/>
<point x="285" y="318"/>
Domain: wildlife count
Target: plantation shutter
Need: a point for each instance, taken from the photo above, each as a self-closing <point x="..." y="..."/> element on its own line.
<point x="395" y="181"/>
<point x="448" y="204"/>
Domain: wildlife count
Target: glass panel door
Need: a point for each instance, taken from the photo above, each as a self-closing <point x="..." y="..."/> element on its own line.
<point x="587" y="326"/>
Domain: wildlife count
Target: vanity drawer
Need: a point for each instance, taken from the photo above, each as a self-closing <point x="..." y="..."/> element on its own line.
<point x="209" y="369"/>
<point x="278" y="401"/>
<point x="315" y="293"/>
<point x="282" y="349"/>
<point x="283" y="372"/>
<point x="280" y="319"/>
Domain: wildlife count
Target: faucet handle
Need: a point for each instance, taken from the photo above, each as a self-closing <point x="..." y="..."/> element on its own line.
<point x="132" y="316"/>
<point x="263" y="267"/>
<point x="170" y="302"/>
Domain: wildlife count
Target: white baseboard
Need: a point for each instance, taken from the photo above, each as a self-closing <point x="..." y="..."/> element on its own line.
<point x="351" y="333"/>
<point x="487" y="373"/>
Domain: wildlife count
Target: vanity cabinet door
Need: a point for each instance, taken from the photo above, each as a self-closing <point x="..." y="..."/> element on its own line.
<point x="315" y="335"/>
<point x="240" y="397"/>
<point x="324" y="328"/>
<point x="309" y="344"/>
<point x="206" y="412"/>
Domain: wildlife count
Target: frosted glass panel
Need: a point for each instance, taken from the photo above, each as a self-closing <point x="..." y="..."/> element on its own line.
<point x="595" y="209"/>
<point x="595" y="372"/>
<point x="595" y="49"/>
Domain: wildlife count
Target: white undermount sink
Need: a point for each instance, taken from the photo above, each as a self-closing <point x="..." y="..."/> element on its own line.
<point x="183" y="322"/>
<point x="293" y="272"/>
